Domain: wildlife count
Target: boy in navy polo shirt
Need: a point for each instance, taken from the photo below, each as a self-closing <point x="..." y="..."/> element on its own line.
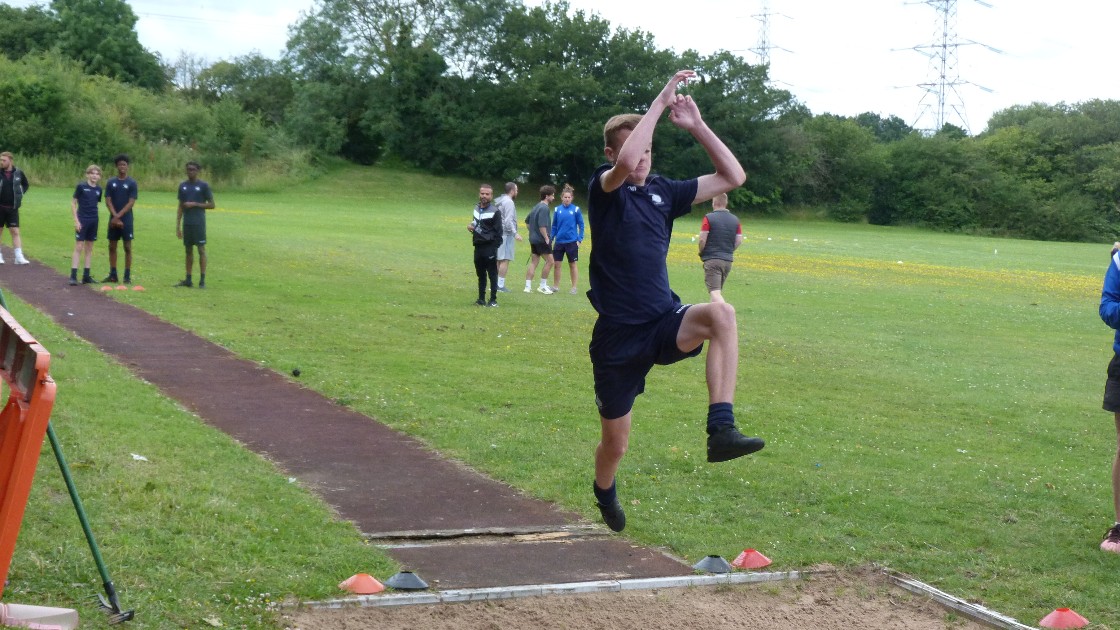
<point x="120" y="197"/>
<point x="641" y="321"/>
<point x="195" y="198"/>
<point x="83" y="205"/>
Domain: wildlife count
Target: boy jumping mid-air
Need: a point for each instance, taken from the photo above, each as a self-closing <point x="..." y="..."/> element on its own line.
<point x="641" y="321"/>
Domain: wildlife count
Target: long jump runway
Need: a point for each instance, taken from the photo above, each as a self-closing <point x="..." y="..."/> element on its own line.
<point x="451" y="525"/>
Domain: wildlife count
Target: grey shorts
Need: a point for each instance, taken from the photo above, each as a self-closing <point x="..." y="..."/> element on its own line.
<point x="715" y="273"/>
<point x="1112" y="385"/>
<point x="505" y="251"/>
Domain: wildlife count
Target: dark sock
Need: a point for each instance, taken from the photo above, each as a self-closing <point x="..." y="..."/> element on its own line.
<point x="202" y="278"/>
<point x="188" y="277"/>
<point x="720" y="416"/>
<point x="127" y="273"/>
<point x="74" y="273"/>
<point x="85" y="274"/>
<point x="605" y="497"/>
<point x="113" y="272"/>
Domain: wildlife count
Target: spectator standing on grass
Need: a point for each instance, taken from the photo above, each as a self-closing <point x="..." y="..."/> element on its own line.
<point x="641" y="321"/>
<point x="539" y="224"/>
<point x="1110" y="314"/>
<point x="510" y="234"/>
<point x="195" y="198"/>
<point x="120" y="198"/>
<point x="720" y="235"/>
<point x="83" y="205"/>
<point x="13" y="185"/>
<point x="567" y="234"/>
<point x="486" y="235"/>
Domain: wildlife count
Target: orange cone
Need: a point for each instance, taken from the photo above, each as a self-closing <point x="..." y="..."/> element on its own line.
<point x="750" y="559"/>
<point x="121" y="287"/>
<point x="106" y="288"/>
<point x="137" y="288"/>
<point x="361" y="584"/>
<point x="1063" y="618"/>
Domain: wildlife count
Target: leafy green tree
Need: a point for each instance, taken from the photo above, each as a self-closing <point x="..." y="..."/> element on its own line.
<point x="25" y="31"/>
<point x="551" y="79"/>
<point x="849" y="162"/>
<point x="889" y="129"/>
<point x="260" y="85"/>
<point x="101" y="35"/>
<point x="930" y="184"/>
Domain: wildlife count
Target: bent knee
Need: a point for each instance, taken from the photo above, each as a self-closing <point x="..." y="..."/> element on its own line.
<point x="614" y="449"/>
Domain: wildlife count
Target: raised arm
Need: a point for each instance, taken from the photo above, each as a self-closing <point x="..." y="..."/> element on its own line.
<point x="640" y="142"/>
<point x="729" y="174"/>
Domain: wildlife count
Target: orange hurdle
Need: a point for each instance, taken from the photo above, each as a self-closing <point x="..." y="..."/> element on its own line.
<point x="23" y="423"/>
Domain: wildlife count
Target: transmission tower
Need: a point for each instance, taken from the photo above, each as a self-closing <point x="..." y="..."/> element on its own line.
<point x="764" y="46"/>
<point x="942" y="102"/>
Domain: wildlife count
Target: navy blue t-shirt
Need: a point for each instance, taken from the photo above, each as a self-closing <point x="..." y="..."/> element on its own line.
<point x="119" y="191"/>
<point x="198" y="191"/>
<point x="630" y="231"/>
<point x="88" y="197"/>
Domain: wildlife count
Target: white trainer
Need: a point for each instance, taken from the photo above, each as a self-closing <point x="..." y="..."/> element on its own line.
<point x="20" y="260"/>
<point x="528" y="290"/>
<point x="544" y="290"/>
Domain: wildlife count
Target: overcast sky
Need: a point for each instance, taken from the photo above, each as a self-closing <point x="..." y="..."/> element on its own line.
<point x="839" y="57"/>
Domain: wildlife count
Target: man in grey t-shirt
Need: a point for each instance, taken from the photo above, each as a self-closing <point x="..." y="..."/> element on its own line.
<point x="540" y="240"/>
<point x="720" y="235"/>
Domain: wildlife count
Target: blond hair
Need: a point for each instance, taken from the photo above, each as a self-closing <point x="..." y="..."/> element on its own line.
<point x="616" y="124"/>
<point x="91" y="168"/>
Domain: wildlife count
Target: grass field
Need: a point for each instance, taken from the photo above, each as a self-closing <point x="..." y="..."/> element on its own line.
<point x="931" y="402"/>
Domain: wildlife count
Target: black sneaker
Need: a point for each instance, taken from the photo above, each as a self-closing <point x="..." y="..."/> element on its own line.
<point x="613" y="515"/>
<point x="110" y="278"/>
<point x="185" y="283"/>
<point x="480" y="302"/>
<point x="87" y="280"/>
<point x="727" y="444"/>
<point x="492" y="304"/>
<point x="202" y="284"/>
<point x="73" y="282"/>
<point x="127" y="280"/>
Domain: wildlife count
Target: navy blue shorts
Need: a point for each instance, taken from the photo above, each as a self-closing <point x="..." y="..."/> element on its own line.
<point x="194" y="234"/>
<point x="1112" y="385"/>
<point x="9" y="217"/>
<point x="121" y="233"/>
<point x="572" y="249"/>
<point x="88" y="231"/>
<point x="622" y="355"/>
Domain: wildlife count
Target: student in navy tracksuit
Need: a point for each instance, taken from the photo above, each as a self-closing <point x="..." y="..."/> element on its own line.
<point x="641" y="321"/>
<point x="83" y="205"/>
<point x="120" y="198"/>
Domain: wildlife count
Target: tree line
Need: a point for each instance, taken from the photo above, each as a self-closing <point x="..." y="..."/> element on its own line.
<point x="497" y="90"/>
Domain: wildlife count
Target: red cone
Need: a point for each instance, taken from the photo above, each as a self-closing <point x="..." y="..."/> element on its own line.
<point x="750" y="559"/>
<point x="361" y="584"/>
<point x="1063" y="618"/>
